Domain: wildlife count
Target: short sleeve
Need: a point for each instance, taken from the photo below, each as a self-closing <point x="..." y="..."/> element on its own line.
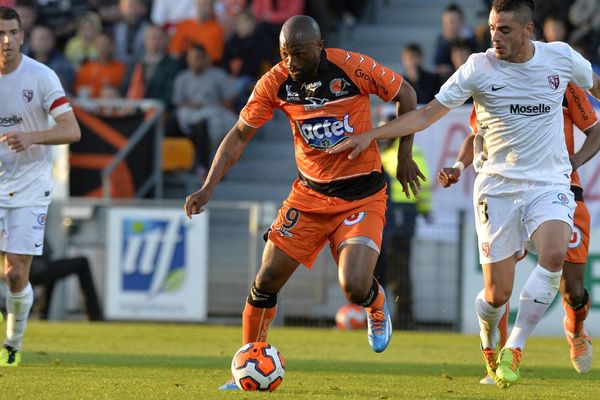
<point x="459" y="87"/>
<point x="582" y="70"/>
<point x="54" y="100"/>
<point x="260" y="105"/>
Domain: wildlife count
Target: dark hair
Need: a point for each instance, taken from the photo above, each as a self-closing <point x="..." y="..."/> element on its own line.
<point x="7" y="13"/>
<point x="414" y="48"/>
<point x="454" y="8"/>
<point x="524" y="8"/>
<point x="461" y="44"/>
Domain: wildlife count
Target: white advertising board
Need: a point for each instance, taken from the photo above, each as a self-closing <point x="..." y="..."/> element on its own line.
<point x="156" y="265"/>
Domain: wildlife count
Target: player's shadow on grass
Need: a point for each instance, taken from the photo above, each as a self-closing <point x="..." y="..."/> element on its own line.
<point x="304" y="365"/>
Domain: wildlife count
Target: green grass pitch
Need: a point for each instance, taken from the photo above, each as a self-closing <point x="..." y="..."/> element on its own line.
<point x="181" y="361"/>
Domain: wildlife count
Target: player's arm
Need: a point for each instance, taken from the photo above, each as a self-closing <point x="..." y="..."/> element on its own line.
<point x="595" y="90"/>
<point x="404" y="125"/>
<point x="407" y="172"/>
<point x="227" y="155"/>
<point x="589" y="148"/>
<point x="451" y="175"/>
<point x="65" y="131"/>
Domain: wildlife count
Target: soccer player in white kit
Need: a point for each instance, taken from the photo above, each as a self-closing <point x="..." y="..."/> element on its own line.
<point x="30" y="93"/>
<point x="522" y="190"/>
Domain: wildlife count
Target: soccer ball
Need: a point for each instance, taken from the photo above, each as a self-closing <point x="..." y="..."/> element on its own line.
<point x="258" y="366"/>
<point x="351" y="316"/>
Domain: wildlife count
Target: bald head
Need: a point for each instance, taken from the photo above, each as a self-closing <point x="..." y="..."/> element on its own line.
<point x="299" y="30"/>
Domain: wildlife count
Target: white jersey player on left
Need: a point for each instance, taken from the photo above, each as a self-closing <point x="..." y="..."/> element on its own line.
<point x="30" y="93"/>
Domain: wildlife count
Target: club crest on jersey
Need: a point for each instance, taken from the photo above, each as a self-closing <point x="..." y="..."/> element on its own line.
<point x="355" y="218"/>
<point x="338" y="86"/>
<point x="575" y="238"/>
<point x="291" y="95"/>
<point x="554" y="81"/>
<point x="324" y="132"/>
<point x="485" y="248"/>
<point x="27" y="95"/>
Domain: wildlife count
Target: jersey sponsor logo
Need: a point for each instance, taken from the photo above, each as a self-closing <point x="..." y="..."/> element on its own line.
<point x="554" y="81"/>
<point x="313" y="86"/>
<point x="324" y="132"/>
<point x="359" y="73"/>
<point x="338" y="86"/>
<point x="291" y="95"/>
<point x="529" y="110"/>
<point x="41" y="219"/>
<point x="575" y="238"/>
<point x="355" y="218"/>
<point x="10" y="121"/>
<point x="494" y="87"/>
<point x="28" y="95"/>
<point x="563" y="199"/>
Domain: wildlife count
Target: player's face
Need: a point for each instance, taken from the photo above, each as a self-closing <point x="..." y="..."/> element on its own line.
<point x="509" y="36"/>
<point x="11" y="40"/>
<point x="301" y="59"/>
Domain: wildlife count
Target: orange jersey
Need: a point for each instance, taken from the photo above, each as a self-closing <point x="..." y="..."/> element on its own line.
<point x="577" y="111"/>
<point x="325" y="111"/>
<point x="209" y="34"/>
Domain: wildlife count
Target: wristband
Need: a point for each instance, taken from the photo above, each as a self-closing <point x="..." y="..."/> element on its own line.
<point x="459" y="165"/>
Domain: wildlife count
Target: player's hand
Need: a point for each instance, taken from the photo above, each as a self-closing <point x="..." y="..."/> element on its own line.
<point x="17" y="141"/>
<point x="195" y="202"/>
<point x="448" y="176"/>
<point x="356" y="144"/>
<point x="408" y="174"/>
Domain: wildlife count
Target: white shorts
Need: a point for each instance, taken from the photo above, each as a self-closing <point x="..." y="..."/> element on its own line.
<point x="508" y="212"/>
<point x="22" y="230"/>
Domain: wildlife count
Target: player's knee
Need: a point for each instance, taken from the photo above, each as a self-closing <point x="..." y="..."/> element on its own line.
<point x="497" y="297"/>
<point x="15" y="274"/>
<point x="261" y="298"/>
<point x="553" y="258"/>
<point x="354" y="292"/>
<point x="267" y="280"/>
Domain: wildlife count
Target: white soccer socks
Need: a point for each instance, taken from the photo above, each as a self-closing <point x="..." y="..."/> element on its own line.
<point x="537" y="295"/>
<point x="489" y="317"/>
<point x="18" y="306"/>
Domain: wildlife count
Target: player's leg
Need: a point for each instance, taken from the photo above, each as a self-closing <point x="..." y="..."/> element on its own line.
<point x="25" y="237"/>
<point x="19" y="300"/>
<point x="490" y="305"/>
<point x="551" y="239"/>
<point x="355" y="274"/>
<point x="488" y="379"/>
<point x="576" y="302"/>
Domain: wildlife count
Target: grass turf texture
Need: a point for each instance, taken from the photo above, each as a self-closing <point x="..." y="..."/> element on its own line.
<point x="171" y="361"/>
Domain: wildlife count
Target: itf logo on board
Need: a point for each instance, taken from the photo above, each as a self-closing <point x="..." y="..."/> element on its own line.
<point x="152" y="255"/>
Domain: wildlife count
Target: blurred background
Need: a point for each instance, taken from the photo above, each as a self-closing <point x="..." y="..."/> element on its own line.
<point x="156" y="85"/>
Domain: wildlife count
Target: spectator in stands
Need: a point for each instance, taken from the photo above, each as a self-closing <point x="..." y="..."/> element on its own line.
<point x="460" y="50"/>
<point x="545" y="8"/>
<point x="247" y="55"/>
<point x="47" y="271"/>
<point x="81" y="48"/>
<point x="95" y="75"/>
<point x="128" y="32"/>
<point x="204" y="29"/>
<point x="555" y="29"/>
<point x="61" y="16"/>
<point x="227" y="12"/>
<point x="43" y="49"/>
<point x="108" y="10"/>
<point x="271" y="14"/>
<point x="348" y="11"/>
<point x="453" y="28"/>
<point x="585" y="17"/>
<point x="168" y="13"/>
<point x="28" y="14"/>
<point x="425" y="83"/>
<point x="583" y="47"/>
<point x="152" y="76"/>
<point x="203" y="96"/>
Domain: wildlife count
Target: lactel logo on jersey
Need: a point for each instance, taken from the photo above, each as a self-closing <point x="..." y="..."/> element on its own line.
<point x="10" y="121"/>
<point x="529" y="110"/>
<point x="324" y="132"/>
<point x="153" y="255"/>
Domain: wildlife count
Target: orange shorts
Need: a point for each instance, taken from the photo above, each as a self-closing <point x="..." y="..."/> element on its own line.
<point x="308" y="219"/>
<point x="580" y="240"/>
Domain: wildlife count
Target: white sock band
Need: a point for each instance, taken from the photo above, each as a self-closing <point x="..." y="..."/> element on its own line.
<point x="18" y="306"/>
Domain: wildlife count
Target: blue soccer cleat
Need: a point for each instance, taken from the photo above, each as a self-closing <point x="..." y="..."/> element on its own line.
<point x="229" y="385"/>
<point x="379" y="325"/>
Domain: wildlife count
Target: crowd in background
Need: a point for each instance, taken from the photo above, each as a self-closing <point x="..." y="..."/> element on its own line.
<point x="201" y="58"/>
